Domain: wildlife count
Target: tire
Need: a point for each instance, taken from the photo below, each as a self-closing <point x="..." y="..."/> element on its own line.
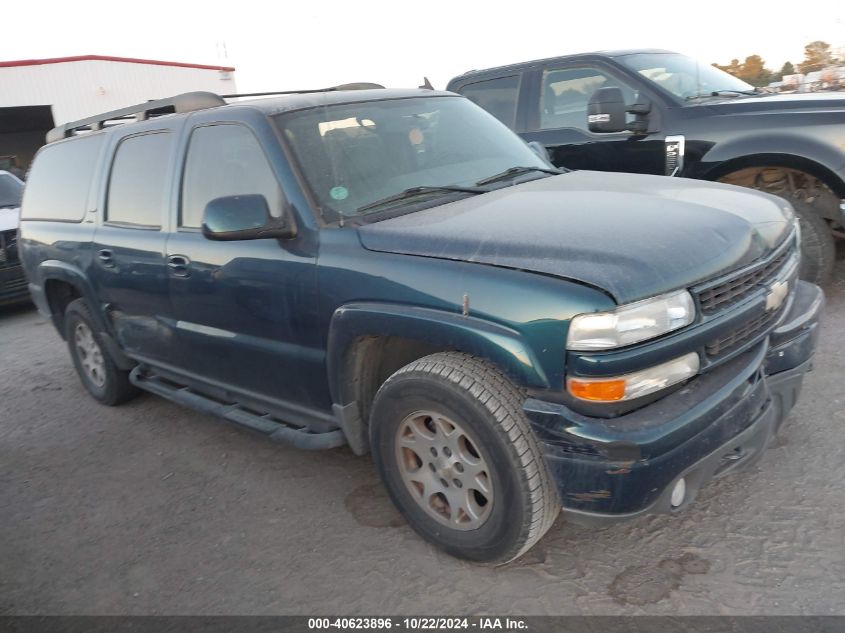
<point x="105" y="382"/>
<point x="818" y="250"/>
<point x="501" y="499"/>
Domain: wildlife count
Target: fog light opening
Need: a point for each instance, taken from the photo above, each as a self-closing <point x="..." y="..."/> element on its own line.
<point x="679" y="492"/>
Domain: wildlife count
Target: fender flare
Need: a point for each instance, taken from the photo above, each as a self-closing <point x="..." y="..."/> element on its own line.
<point x="776" y="150"/>
<point x="502" y="346"/>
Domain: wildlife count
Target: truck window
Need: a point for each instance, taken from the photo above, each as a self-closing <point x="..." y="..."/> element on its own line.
<point x="225" y="160"/>
<point x="60" y="180"/>
<point x="137" y="185"/>
<point x="497" y="96"/>
<point x="565" y="93"/>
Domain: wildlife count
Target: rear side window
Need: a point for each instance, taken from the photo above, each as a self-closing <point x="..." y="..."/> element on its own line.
<point x="138" y="180"/>
<point x="225" y="160"/>
<point x="60" y="179"/>
<point x="497" y="96"/>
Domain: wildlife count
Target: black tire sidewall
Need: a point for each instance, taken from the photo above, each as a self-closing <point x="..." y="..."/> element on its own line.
<point x="409" y="393"/>
<point x="108" y="393"/>
<point x="818" y="250"/>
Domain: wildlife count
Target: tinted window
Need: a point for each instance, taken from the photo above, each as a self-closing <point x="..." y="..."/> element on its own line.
<point x="58" y="184"/>
<point x="225" y="160"/>
<point x="138" y="180"/>
<point x="565" y="93"/>
<point x="10" y="191"/>
<point x="497" y="96"/>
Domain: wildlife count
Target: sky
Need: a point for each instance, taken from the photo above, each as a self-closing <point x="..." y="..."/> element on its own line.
<point x="286" y="45"/>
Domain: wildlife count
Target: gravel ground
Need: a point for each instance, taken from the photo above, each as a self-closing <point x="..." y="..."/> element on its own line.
<point x="151" y="508"/>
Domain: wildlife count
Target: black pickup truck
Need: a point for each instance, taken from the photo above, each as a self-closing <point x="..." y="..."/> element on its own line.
<point x="658" y="112"/>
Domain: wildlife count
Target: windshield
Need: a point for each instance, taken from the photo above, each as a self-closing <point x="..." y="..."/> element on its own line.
<point x="10" y="191"/>
<point x="355" y="154"/>
<point x="683" y="76"/>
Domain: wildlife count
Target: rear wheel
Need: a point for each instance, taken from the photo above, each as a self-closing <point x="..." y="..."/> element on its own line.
<point x="101" y="377"/>
<point x="459" y="460"/>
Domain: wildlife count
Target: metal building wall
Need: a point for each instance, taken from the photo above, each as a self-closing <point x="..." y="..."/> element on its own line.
<point x="77" y="89"/>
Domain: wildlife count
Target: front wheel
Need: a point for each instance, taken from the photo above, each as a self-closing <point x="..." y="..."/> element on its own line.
<point x="818" y="250"/>
<point x="459" y="460"/>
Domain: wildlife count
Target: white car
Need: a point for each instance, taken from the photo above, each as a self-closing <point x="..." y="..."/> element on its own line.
<point x="13" y="286"/>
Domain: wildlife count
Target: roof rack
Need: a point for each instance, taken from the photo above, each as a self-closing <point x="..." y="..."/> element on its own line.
<point x="187" y="102"/>
<point x="361" y="85"/>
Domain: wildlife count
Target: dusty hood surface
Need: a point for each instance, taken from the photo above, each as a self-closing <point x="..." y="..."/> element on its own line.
<point x="633" y="236"/>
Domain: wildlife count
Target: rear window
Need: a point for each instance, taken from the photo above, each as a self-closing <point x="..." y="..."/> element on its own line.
<point x="58" y="184"/>
<point x="497" y="96"/>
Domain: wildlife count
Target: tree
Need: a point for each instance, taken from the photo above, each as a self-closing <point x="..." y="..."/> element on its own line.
<point x="753" y="70"/>
<point x="733" y="68"/>
<point x="816" y="56"/>
<point x="787" y="69"/>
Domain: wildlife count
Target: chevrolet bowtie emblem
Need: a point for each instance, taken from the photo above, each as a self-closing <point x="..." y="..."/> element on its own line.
<point x="777" y="293"/>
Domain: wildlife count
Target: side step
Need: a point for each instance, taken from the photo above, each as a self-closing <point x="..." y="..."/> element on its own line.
<point x="264" y="424"/>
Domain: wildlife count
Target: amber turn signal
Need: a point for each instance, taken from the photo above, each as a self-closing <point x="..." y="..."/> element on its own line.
<point x="599" y="391"/>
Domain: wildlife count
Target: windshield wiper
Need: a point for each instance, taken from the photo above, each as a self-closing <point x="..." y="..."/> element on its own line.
<point x="515" y="171"/>
<point x="725" y="93"/>
<point x="416" y="192"/>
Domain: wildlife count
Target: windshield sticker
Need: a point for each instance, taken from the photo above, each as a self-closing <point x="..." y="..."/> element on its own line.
<point x="339" y="193"/>
<point x="415" y="136"/>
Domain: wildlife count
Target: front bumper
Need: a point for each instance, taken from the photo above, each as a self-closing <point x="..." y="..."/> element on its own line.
<point x="13" y="286"/>
<point x="607" y="470"/>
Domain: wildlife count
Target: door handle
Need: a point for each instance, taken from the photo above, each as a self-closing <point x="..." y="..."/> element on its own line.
<point x="178" y="265"/>
<point x="106" y="257"/>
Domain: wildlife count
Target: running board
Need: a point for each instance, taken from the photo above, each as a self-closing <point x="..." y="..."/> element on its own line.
<point x="264" y="424"/>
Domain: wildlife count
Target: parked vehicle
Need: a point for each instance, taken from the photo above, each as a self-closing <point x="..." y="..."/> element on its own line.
<point x="397" y="271"/>
<point x="13" y="287"/>
<point x="687" y="119"/>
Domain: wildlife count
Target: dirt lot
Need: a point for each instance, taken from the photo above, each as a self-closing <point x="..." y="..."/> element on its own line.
<point x="152" y="508"/>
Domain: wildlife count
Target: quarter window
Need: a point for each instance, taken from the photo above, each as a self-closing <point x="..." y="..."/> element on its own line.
<point x="497" y="96"/>
<point x="137" y="186"/>
<point x="565" y="93"/>
<point x="60" y="179"/>
<point x="225" y="160"/>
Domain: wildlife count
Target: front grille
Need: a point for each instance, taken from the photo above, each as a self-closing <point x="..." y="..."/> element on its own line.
<point x="8" y="248"/>
<point x="743" y="333"/>
<point x="736" y="288"/>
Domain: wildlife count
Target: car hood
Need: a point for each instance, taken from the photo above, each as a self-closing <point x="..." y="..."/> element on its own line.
<point x="796" y="102"/>
<point x="632" y="236"/>
<point x="9" y="219"/>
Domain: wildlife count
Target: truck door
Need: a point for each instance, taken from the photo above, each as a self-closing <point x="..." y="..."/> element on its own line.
<point x="128" y="270"/>
<point x="244" y="309"/>
<point x="557" y="117"/>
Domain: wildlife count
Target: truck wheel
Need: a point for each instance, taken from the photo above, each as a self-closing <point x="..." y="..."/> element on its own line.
<point x="459" y="460"/>
<point x="818" y="250"/>
<point x="100" y="376"/>
<point x="811" y="199"/>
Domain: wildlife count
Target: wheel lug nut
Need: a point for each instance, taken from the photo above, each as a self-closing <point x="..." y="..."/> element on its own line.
<point x="434" y="451"/>
<point x="459" y="468"/>
<point x="445" y="483"/>
<point x="431" y="467"/>
<point x="458" y="483"/>
<point x="447" y="452"/>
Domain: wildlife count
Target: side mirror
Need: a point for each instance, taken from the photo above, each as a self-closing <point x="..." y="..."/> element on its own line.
<point x="245" y="217"/>
<point x="606" y="111"/>
<point x="538" y="148"/>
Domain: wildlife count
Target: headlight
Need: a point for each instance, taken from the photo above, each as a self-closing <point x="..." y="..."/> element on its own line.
<point x="636" y="385"/>
<point x="631" y="323"/>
